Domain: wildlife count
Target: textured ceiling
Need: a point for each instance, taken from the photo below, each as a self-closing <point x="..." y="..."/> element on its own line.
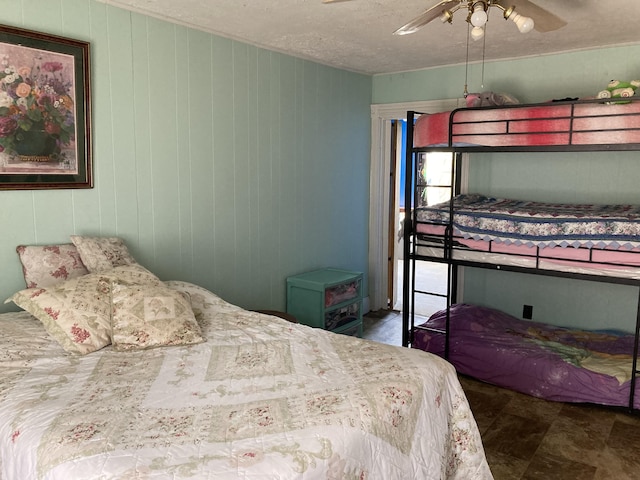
<point x="357" y="35"/>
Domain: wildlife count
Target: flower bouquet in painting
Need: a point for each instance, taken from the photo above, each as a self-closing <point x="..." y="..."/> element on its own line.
<point x="37" y="122"/>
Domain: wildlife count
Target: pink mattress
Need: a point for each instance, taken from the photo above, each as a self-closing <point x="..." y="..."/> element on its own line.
<point x="538" y="125"/>
<point x="606" y="261"/>
<point x="607" y="255"/>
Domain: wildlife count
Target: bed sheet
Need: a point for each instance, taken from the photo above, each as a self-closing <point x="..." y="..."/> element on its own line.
<point x="262" y="398"/>
<point x="541" y="360"/>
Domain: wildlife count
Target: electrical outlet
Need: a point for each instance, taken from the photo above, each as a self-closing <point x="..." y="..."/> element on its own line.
<point x="527" y="312"/>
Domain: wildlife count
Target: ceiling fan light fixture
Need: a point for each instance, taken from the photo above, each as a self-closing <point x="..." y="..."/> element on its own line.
<point x="447" y="16"/>
<point x="524" y="24"/>
<point x="479" y="14"/>
<point x="477" y="33"/>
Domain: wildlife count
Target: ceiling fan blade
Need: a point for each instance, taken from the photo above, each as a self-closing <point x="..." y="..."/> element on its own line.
<point x="429" y="15"/>
<point x="544" y="20"/>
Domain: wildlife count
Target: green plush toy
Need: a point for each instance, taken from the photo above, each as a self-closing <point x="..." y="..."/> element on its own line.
<point x="618" y="89"/>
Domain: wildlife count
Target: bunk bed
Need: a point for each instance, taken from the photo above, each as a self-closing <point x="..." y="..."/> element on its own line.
<point x="588" y="242"/>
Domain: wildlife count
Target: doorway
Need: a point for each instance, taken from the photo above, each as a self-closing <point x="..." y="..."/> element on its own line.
<point x="435" y="169"/>
<point x="382" y="266"/>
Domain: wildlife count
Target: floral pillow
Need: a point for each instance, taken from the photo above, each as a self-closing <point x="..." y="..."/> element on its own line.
<point x="146" y="316"/>
<point x="77" y="313"/>
<point x="102" y="253"/>
<point x="46" y="265"/>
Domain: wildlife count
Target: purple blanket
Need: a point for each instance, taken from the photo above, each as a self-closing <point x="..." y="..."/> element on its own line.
<point x="537" y="359"/>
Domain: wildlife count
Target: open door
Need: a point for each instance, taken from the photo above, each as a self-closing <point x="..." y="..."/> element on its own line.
<point x="396" y="211"/>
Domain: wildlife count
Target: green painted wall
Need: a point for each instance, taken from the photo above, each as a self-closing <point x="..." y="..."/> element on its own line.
<point x="562" y="177"/>
<point x="533" y="79"/>
<point x="218" y="162"/>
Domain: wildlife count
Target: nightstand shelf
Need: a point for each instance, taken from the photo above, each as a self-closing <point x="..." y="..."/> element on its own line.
<point x="329" y="298"/>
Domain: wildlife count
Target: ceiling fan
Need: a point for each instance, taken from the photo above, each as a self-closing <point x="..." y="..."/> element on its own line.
<point x="539" y="18"/>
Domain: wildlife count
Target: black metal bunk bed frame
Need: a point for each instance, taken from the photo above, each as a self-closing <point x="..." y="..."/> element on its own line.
<point x="410" y="243"/>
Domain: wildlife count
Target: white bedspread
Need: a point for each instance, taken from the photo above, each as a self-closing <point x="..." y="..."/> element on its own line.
<point x="260" y="399"/>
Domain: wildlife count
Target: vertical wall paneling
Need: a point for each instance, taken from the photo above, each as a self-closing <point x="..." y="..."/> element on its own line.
<point x="242" y="185"/>
<point x="199" y="192"/>
<point x="163" y="90"/>
<point x="141" y="75"/>
<point x="104" y="102"/>
<point x="301" y="195"/>
<point x="12" y="12"/>
<point x="198" y="95"/>
<point x="263" y="213"/>
<point x="224" y="180"/>
<point x="216" y="161"/>
<point x="117" y="128"/>
<point x="182" y="260"/>
<point x="21" y="214"/>
<point x="289" y="191"/>
<point x="274" y="265"/>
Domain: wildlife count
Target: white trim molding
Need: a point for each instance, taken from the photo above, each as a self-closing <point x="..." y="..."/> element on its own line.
<point x="380" y="171"/>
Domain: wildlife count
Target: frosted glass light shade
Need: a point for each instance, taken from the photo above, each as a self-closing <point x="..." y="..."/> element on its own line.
<point x="524" y="24"/>
<point x="477" y="33"/>
<point x="479" y="16"/>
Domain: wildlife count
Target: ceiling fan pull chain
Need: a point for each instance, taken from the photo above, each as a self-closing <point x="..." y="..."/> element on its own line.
<point x="466" y="65"/>
<point x="484" y="45"/>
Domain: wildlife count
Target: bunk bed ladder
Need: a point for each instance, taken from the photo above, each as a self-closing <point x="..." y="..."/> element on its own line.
<point x="410" y="248"/>
<point x="452" y="269"/>
<point x="634" y="366"/>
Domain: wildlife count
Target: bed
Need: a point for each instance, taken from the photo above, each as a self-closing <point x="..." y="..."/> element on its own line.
<point x="576" y="124"/>
<point x="581" y="238"/>
<point x="590" y="242"/>
<point x="534" y="358"/>
<point x="186" y="385"/>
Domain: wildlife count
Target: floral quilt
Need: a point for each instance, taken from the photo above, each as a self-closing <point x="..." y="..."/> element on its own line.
<point x="541" y="224"/>
<point x="261" y="398"/>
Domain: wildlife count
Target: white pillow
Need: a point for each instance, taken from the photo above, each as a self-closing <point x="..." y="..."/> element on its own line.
<point x="100" y="254"/>
<point x="147" y="316"/>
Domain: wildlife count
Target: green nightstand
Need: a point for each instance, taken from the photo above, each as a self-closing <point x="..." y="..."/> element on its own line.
<point x="329" y="298"/>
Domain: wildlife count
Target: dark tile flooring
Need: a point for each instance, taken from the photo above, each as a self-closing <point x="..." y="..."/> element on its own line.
<point x="526" y="438"/>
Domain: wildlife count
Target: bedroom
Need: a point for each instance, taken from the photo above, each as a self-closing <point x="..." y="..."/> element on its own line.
<point x="277" y="198"/>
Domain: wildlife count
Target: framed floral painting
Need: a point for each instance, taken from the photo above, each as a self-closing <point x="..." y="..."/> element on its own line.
<point x="45" y="125"/>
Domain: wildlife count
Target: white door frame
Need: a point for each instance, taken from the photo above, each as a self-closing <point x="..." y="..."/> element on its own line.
<point x="381" y="117"/>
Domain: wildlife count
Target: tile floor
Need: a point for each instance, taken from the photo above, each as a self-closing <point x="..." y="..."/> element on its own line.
<point x="526" y="438"/>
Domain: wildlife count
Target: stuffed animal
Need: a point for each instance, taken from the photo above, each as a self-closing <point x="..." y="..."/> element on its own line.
<point x="485" y="99"/>
<point x="618" y="89"/>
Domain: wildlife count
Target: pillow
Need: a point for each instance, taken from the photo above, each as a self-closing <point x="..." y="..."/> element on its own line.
<point x="146" y="316"/>
<point x="77" y="313"/>
<point x="102" y="253"/>
<point x="46" y="265"/>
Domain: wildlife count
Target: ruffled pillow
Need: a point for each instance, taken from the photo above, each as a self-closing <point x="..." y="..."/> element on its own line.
<point x="147" y="316"/>
<point x="46" y="265"/>
<point x="77" y="313"/>
<point x="100" y="254"/>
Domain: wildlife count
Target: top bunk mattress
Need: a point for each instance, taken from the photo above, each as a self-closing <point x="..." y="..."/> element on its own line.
<point x="522" y="222"/>
<point x="552" y="124"/>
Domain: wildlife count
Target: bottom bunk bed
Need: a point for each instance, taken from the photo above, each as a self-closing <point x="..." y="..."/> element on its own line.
<point x="541" y="360"/>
